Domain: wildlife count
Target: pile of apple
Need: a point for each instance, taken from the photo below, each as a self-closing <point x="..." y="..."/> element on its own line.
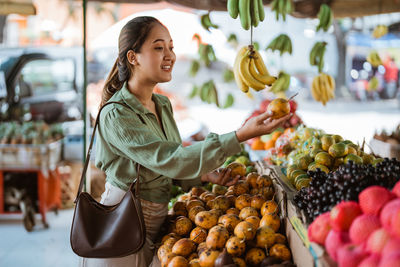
<point x="363" y="234"/>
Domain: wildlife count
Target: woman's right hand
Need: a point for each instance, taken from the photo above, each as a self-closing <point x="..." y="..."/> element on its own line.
<point x="259" y="125"/>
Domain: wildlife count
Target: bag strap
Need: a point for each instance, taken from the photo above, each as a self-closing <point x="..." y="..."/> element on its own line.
<point x="80" y="188"/>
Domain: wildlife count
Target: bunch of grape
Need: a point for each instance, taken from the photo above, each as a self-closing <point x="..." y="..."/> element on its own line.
<point x="326" y="190"/>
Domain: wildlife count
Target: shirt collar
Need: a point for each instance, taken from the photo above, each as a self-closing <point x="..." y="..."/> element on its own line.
<point x="131" y="100"/>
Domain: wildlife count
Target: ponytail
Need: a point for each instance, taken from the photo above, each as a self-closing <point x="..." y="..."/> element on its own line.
<point x="112" y="84"/>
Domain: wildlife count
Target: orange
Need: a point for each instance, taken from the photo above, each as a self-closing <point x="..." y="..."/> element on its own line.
<point x="275" y="135"/>
<point x="257" y="144"/>
<point x="269" y="144"/>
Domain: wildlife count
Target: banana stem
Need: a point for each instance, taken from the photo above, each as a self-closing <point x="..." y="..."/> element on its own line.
<point x="293" y="96"/>
<point x="251" y="35"/>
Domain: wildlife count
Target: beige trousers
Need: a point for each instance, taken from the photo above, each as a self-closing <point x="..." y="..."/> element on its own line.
<point x="154" y="215"/>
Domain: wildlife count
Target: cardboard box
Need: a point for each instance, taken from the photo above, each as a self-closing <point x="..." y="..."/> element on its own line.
<point x="384" y="149"/>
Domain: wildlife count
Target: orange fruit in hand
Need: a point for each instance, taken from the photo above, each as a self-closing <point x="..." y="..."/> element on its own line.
<point x="279" y="107"/>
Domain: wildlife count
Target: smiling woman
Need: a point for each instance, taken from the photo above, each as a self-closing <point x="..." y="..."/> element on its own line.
<point x="143" y="132"/>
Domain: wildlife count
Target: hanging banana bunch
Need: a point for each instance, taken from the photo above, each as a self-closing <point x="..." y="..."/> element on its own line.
<point x="317" y="55"/>
<point x="194" y="68"/>
<point x="374" y="58"/>
<point x="251" y="12"/>
<point x="206" y="22"/>
<point x="250" y="70"/>
<point x="325" y="17"/>
<point x="282" y="8"/>
<point x="282" y="43"/>
<point x="282" y="83"/>
<point x="379" y="31"/>
<point x="323" y="88"/>
<point x="208" y="93"/>
<point x="207" y="54"/>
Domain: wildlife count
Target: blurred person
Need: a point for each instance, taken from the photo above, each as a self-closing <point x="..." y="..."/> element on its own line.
<point x="146" y="134"/>
<point x="391" y="77"/>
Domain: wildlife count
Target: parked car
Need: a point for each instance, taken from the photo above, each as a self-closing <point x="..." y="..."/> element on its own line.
<point x="41" y="83"/>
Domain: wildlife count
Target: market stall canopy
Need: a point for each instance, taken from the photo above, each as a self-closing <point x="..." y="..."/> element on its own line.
<point x="21" y="7"/>
<point x="303" y="8"/>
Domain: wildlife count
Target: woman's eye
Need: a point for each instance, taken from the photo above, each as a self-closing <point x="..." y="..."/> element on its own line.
<point x="159" y="48"/>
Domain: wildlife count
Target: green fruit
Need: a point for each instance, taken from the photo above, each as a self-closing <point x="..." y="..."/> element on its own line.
<point x="319" y="166"/>
<point x="337" y="150"/>
<point x="296" y="173"/>
<point x="351" y="157"/>
<point x="324" y="158"/>
<point x="304" y="161"/>
<point x="351" y="150"/>
<point x="304" y="182"/>
<point x="376" y="161"/>
<point x="219" y="189"/>
<point x="337" y="138"/>
<point x="337" y="162"/>
<point x="290" y="169"/>
<point x="250" y="169"/>
<point x="347" y="142"/>
<point x="243" y="159"/>
<point x="311" y="165"/>
<point x="327" y="141"/>
<point x="301" y="176"/>
<point x="368" y="159"/>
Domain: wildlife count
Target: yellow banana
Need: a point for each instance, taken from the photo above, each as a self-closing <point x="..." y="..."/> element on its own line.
<point x="244" y="71"/>
<point x="242" y="86"/>
<point x="315" y="90"/>
<point x="260" y="65"/>
<point x="265" y="79"/>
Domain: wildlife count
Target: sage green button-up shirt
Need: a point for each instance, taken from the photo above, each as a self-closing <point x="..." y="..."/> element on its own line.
<point x="130" y="136"/>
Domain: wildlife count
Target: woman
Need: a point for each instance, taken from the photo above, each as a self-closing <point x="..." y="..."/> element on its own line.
<point x="146" y="134"/>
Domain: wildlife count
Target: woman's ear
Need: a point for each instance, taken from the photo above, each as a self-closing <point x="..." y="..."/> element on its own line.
<point x="131" y="56"/>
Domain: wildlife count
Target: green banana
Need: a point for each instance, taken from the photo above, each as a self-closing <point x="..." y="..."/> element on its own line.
<point x="229" y="101"/>
<point x="233" y="8"/>
<point x="325" y="18"/>
<point x="261" y="11"/>
<point x="313" y="53"/>
<point x="206" y="22"/>
<point x="254" y="13"/>
<point x="194" y="68"/>
<point x="195" y="91"/>
<point x="244" y="13"/>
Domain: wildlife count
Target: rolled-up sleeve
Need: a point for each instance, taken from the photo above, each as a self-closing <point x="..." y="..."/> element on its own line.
<point x="129" y="137"/>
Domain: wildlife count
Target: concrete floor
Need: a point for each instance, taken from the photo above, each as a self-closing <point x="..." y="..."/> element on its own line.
<point x="40" y="248"/>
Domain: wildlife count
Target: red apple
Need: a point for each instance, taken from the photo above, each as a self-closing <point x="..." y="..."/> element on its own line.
<point x="370" y="261"/>
<point x="396" y="224"/>
<point x="362" y="227"/>
<point x="334" y="241"/>
<point x="373" y="198"/>
<point x="293" y="106"/>
<point x="396" y="189"/>
<point x="343" y="214"/>
<point x="319" y="228"/>
<point x="388" y="212"/>
<point x="393" y="245"/>
<point x="350" y="255"/>
<point x="390" y="260"/>
<point x="377" y="240"/>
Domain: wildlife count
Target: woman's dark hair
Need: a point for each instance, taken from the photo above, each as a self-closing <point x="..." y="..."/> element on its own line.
<point x="132" y="37"/>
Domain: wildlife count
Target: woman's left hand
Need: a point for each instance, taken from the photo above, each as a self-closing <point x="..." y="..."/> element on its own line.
<point x="221" y="176"/>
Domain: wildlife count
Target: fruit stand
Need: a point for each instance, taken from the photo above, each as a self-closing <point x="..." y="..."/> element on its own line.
<point x="23" y="159"/>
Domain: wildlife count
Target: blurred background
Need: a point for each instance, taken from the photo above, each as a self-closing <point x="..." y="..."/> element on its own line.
<point x="47" y="98"/>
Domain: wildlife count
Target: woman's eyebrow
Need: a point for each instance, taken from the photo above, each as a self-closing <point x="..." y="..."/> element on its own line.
<point x="158" y="40"/>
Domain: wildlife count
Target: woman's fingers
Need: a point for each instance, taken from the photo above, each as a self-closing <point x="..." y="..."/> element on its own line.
<point x="233" y="181"/>
<point x="226" y="177"/>
<point x="264" y="116"/>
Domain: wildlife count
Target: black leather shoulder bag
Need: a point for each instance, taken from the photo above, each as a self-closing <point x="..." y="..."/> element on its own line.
<point x="100" y="231"/>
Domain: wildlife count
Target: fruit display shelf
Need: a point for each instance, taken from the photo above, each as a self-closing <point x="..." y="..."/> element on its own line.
<point x="30" y="156"/>
<point x="304" y="252"/>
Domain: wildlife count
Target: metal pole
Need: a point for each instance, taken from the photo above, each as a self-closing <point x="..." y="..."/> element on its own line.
<point x="84" y="85"/>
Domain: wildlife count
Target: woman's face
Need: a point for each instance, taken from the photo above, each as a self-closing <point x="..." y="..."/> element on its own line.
<point x="156" y="57"/>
